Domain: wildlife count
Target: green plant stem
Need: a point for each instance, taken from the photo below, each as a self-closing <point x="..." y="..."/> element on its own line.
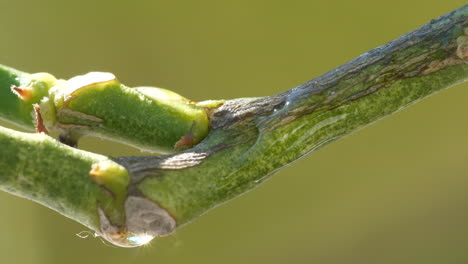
<point x="149" y="118"/>
<point x="87" y="187"/>
<point x="252" y="138"/>
<point x="38" y="167"/>
<point x="12" y="108"/>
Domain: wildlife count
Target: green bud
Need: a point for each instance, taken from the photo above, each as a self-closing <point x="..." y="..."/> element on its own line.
<point x="153" y="119"/>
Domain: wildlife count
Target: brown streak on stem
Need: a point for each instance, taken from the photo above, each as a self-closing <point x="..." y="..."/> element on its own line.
<point x="40" y="128"/>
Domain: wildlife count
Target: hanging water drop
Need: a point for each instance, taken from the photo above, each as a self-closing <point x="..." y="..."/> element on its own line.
<point x="140" y="240"/>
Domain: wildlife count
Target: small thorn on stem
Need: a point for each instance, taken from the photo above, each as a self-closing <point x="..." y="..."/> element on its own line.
<point x="23" y="93"/>
<point x="187" y="140"/>
<point x="40" y="128"/>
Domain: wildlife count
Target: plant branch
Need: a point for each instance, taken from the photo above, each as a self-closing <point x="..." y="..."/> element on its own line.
<point x="153" y="119"/>
<point x="252" y="138"/>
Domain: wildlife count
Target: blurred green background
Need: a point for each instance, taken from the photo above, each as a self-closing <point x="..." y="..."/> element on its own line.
<point x="395" y="192"/>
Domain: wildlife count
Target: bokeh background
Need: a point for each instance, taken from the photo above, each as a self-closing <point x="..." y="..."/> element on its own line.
<point x="395" y="192"/>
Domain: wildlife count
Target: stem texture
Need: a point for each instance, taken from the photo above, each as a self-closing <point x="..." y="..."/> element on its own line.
<point x="248" y="141"/>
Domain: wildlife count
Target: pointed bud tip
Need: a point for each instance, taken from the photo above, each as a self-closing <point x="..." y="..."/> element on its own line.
<point x="23" y="93"/>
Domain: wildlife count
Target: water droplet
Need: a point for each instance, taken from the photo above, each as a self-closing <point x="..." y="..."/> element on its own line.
<point x="127" y="239"/>
<point x="139" y="240"/>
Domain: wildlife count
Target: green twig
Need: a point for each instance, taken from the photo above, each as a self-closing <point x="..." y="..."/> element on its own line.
<point x="150" y="118"/>
<point x="249" y="139"/>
